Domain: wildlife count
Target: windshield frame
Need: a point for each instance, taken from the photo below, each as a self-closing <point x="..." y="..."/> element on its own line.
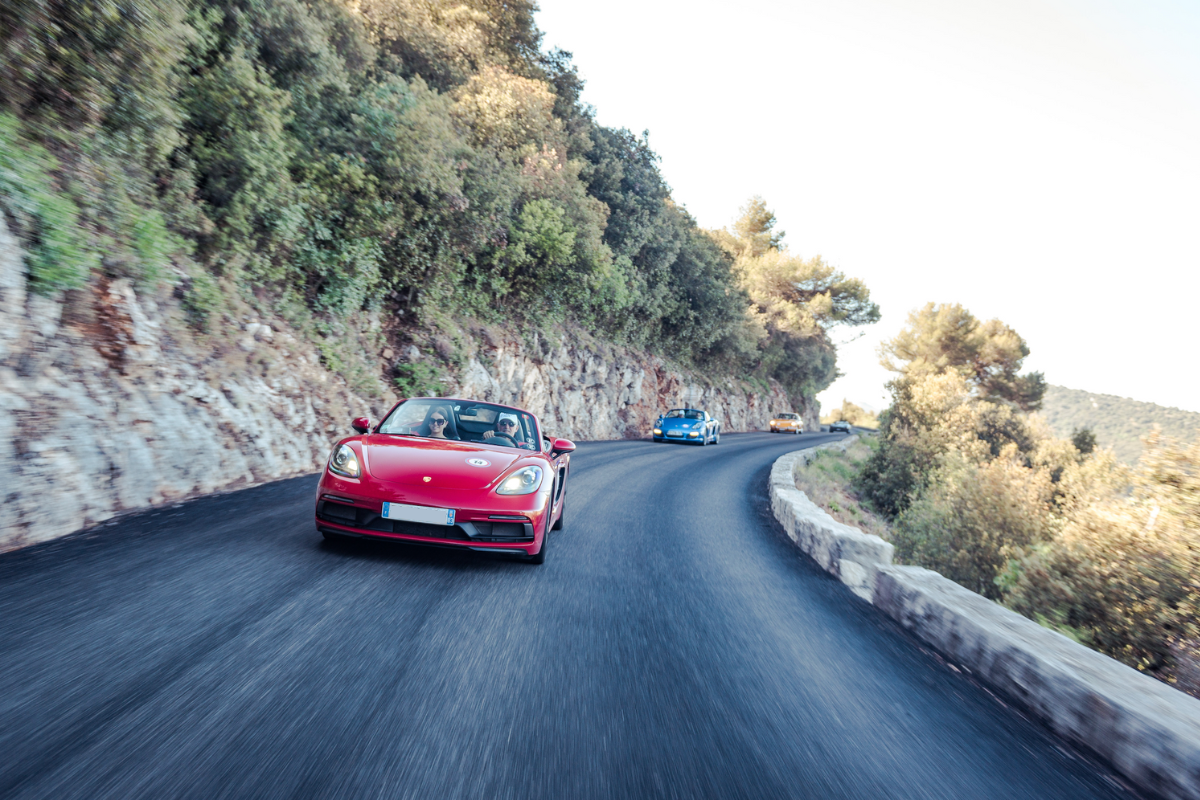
<point x="467" y="429"/>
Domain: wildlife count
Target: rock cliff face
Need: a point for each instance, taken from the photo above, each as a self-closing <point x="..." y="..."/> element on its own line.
<point x="109" y="403"/>
<point x="583" y="394"/>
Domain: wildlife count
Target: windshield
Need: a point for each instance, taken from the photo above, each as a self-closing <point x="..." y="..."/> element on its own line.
<point x="683" y="413"/>
<point x="462" y="420"/>
<point x="787" y="416"/>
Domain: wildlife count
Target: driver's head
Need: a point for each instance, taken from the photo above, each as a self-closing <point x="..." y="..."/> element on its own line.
<point x="506" y="423"/>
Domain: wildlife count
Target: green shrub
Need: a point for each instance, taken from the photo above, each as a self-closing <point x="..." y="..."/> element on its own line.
<point x="202" y="300"/>
<point x="418" y="380"/>
<point x="890" y="478"/>
<point x="1084" y="440"/>
<point x="57" y="251"/>
<point x="971" y="519"/>
<point x="1125" y="569"/>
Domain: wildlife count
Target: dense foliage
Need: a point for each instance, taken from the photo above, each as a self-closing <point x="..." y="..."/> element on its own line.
<point x="980" y="490"/>
<point x="793" y="301"/>
<point x="948" y="338"/>
<point x="1116" y="422"/>
<point x="1123" y="574"/>
<point x="422" y="159"/>
<point x="959" y="385"/>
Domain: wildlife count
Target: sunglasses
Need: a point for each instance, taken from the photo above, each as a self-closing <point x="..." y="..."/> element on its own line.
<point x="507" y="422"/>
<point x="436" y="421"/>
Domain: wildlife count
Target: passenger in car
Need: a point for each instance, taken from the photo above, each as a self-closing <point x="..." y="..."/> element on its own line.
<point x="438" y="424"/>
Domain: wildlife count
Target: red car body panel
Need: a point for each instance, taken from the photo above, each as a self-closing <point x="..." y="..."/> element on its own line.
<point x="408" y="461"/>
<point x="437" y="473"/>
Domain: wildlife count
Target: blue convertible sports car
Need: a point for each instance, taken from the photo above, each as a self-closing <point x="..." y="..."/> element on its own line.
<point x="687" y="425"/>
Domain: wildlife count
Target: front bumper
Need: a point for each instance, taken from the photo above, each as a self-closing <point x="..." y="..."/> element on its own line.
<point x="427" y="541"/>
<point x="678" y="435"/>
<point x="486" y="530"/>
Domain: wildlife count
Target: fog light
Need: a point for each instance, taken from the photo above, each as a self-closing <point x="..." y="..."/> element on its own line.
<point x="693" y="435"/>
<point x="658" y="431"/>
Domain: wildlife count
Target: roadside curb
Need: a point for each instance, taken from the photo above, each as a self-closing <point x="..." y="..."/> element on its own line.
<point x="1147" y="730"/>
<point x="842" y="550"/>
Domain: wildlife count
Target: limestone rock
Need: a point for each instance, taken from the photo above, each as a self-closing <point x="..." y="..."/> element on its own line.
<point x="581" y="393"/>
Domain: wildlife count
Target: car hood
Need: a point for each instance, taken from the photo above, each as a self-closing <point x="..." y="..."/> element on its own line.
<point x="447" y="464"/>
<point x="679" y="423"/>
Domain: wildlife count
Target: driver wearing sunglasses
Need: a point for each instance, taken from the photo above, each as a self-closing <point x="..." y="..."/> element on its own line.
<point x="507" y="433"/>
<point x="506" y="427"/>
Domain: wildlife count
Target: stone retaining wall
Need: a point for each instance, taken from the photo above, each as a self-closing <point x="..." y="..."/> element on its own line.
<point x="1147" y="730"/>
<point x="842" y="550"/>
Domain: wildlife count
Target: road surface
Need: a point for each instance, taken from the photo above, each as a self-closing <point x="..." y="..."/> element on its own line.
<point x="675" y="644"/>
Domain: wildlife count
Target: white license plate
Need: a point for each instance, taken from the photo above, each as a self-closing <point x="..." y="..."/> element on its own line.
<point x="407" y="513"/>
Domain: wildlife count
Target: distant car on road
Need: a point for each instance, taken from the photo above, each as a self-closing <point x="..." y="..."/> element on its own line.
<point x="448" y="473"/>
<point x="687" y="425"/>
<point x="841" y="426"/>
<point x="787" y="422"/>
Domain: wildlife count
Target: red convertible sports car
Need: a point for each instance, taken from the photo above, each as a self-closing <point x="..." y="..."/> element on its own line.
<point x="449" y="473"/>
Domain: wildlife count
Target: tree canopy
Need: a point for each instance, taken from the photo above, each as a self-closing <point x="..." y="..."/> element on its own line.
<point x="947" y="337"/>
<point x="423" y="159"/>
<point x="793" y="302"/>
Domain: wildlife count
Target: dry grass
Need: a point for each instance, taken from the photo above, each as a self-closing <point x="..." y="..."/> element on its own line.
<point x="826" y="481"/>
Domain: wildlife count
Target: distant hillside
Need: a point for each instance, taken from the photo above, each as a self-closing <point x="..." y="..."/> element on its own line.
<point x="1118" y="422"/>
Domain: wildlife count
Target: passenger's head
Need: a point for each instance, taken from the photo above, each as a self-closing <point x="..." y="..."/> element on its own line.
<point x="438" y="422"/>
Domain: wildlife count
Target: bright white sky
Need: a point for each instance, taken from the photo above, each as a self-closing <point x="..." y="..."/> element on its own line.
<point x="1038" y="162"/>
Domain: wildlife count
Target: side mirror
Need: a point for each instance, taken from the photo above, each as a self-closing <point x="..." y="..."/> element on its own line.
<point x="561" y="446"/>
<point x="361" y="424"/>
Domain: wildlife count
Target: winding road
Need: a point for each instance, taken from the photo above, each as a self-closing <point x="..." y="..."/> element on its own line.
<point x="675" y="644"/>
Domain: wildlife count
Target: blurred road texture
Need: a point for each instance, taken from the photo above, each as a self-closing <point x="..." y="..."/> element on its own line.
<point x="675" y="644"/>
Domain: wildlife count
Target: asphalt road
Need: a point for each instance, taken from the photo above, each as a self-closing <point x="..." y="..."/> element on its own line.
<point x="675" y="644"/>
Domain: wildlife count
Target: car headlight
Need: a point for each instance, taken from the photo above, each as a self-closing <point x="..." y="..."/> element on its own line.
<point x="523" y="481"/>
<point x="698" y="425"/>
<point x="344" y="462"/>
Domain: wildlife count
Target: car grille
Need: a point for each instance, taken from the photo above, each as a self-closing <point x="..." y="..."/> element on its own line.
<point x="426" y="530"/>
<point x="367" y="520"/>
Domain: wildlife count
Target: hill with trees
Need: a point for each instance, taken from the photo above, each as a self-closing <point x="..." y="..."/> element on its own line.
<point x="378" y="169"/>
<point x="1116" y="422"/>
<point x="975" y="486"/>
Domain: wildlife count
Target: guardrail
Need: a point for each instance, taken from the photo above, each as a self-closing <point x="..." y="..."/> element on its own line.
<point x="1147" y="730"/>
